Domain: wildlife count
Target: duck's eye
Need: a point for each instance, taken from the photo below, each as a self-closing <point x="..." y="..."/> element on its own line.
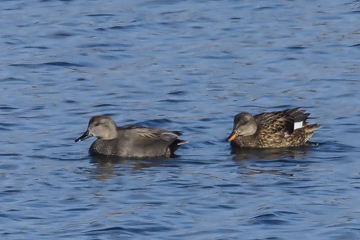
<point x="97" y="124"/>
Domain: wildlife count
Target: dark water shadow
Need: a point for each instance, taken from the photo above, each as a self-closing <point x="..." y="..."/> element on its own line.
<point x="137" y="163"/>
<point x="107" y="167"/>
<point x="328" y="150"/>
<point x="276" y="154"/>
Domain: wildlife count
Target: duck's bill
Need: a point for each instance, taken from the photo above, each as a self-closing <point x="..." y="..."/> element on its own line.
<point x="232" y="136"/>
<point x="84" y="136"/>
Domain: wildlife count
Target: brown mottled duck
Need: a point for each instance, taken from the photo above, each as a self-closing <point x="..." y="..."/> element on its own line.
<point x="287" y="128"/>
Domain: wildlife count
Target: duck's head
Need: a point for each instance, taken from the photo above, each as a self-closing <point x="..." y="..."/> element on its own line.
<point x="101" y="127"/>
<point x="244" y="125"/>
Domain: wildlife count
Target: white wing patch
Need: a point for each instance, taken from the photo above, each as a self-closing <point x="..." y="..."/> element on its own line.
<point x="298" y="125"/>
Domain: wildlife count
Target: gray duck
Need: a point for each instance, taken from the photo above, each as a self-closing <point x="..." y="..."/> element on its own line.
<point x="130" y="141"/>
<point x="287" y="128"/>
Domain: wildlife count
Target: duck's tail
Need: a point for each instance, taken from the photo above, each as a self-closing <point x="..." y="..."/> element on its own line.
<point x="181" y="142"/>
<point x="310" y="128"/>
<point x="174" y="146"/>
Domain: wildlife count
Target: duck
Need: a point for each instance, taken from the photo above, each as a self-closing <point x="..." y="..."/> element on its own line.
<point x="287" y="128"/>
<point x="130" y="141"/>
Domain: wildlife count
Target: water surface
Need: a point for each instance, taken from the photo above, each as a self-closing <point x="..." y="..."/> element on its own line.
<point x="188" y="66"/>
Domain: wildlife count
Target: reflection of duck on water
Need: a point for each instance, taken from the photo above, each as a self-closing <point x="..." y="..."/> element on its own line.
<point x="294" y="153"/>
<point x="108" y="167"/>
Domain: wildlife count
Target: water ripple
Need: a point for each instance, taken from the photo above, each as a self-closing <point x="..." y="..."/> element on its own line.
<point x="268" y="219"/>
<point x="59" y="64"/>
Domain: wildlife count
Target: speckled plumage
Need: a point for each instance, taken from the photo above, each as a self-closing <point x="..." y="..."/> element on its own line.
<point x="130" y="141"/>
<point x="272" y="130"/>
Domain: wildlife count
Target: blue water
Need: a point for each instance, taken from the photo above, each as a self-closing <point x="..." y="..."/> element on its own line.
<point x="188" y="66"/>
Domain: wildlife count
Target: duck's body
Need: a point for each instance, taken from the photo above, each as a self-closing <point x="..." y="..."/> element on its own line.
<point x="286" y="128"/>
<point x="130" y="141"/>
